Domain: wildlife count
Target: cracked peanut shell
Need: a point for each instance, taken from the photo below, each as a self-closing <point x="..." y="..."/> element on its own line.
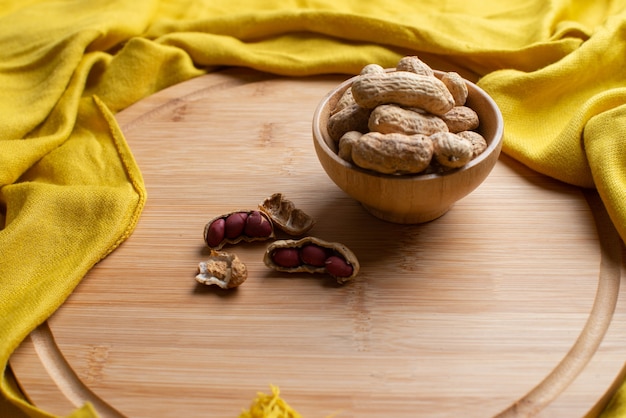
<point x="238" y="226"/>
<point x="286" y="216"/>
<point x="332" y="251"/>
<point x="222" y="269"/>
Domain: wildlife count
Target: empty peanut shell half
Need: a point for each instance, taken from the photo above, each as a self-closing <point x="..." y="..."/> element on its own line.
<point x="234" y="227"/>
<point x="286" y="216"/>
<point x="222" y="269"/>
<point x="312" y="255"/>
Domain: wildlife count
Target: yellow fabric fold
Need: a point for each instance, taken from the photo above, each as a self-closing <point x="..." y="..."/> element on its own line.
<point x="68" y="210"/>
<point x="575" y="106"/>
<point x="71" y="192"/>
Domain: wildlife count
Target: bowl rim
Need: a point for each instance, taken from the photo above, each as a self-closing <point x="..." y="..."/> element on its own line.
<point x="491" y="147"/>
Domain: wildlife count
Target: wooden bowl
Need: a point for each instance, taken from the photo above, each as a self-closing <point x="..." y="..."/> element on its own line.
<point x="409" y="199"/>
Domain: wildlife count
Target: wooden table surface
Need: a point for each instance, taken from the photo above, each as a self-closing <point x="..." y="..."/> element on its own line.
<point x="511" y="296"/>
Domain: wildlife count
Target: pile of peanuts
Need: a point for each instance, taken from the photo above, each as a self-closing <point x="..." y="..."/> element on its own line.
<point x="307" y="254"/>
<point x="406" y="121"/>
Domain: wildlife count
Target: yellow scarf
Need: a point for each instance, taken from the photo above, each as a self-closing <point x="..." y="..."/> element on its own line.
<point x="70" y="191"/>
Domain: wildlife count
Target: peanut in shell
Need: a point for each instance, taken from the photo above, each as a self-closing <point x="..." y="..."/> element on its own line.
<point x="451" y="150"/>
<point x="393" y="153"/>
<point x="335" y="252"/>
<point x="389" y="118"/>
<point x="461" y="118"/>
<point x="403" y="88"/>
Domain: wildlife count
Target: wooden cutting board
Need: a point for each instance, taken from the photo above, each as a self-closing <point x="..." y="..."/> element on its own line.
<point x="509" y="303"/>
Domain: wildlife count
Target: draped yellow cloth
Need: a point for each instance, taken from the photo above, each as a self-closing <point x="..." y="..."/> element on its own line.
<point x="71" y="192"/>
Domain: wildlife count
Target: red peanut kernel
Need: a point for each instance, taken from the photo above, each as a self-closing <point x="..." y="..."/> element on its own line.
<point x="338" y="267"/>
<point x="313" y="255"/>
<point x="215" y="233"/>
<point x="235" y="224"/>
<point x="286" y="257"/>
<point x="257" y="225"/>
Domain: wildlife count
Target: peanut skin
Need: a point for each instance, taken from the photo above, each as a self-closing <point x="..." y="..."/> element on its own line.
<point x="286" y="257"/>
<point x="257" y="225"/>
<point x="403" y="88"/>
<point x="214" y="234"/>
<point x="235" y="224"/>
<point x="338" y="267"/>
<point x="313" y="255"/>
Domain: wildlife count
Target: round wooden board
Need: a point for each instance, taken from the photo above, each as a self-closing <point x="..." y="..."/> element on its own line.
<point x="511" y="296"/>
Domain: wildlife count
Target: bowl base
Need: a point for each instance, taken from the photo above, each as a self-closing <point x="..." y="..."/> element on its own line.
<point x="407" y="218"/>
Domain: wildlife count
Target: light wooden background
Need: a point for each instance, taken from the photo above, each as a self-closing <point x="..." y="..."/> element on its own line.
<point x="463" y="316"/>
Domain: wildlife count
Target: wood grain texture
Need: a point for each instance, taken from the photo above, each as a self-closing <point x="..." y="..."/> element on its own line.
<point x="510" y="299"/>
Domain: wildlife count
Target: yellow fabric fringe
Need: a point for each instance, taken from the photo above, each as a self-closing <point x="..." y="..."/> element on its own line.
<point x="270" y="406"/>
<point x="71" y="192"/>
